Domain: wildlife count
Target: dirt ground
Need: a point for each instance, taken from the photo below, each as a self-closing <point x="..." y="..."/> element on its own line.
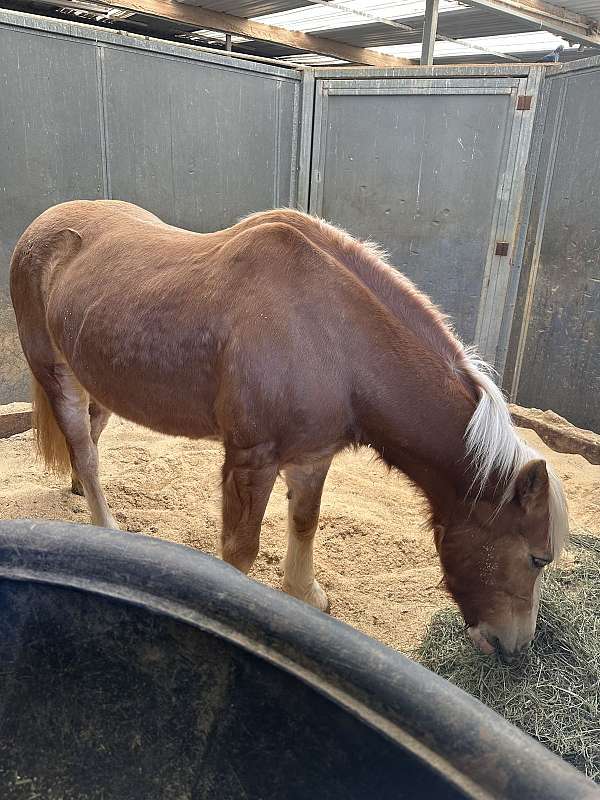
<point x="373" y="555"/>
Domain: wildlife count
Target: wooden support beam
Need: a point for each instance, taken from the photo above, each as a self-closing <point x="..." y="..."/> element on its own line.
<point x="559" y="21"/>
<point x="557" y="433"/>
<point x="14" y="418"/>
<point x="227" y="23"/>
<point x="429" y="32"/>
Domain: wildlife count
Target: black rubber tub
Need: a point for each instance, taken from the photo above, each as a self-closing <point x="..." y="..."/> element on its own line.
<point x="133" y="668"/>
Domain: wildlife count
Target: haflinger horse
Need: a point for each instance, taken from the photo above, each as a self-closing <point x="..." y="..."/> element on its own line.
<point x="289" y="341"/>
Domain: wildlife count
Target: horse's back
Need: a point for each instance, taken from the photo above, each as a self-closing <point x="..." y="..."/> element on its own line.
<point x="75" y="213"/>
<point x="193" y="333"/>
<point x="130" y="302"/>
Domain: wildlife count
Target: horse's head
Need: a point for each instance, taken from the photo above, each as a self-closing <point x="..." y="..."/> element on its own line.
<point x="493" y="556"/>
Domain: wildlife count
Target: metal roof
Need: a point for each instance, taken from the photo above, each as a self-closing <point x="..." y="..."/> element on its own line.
<point x="591" y="8"/>
<point x="255" y="8"/>
<point x="456" y="20"/>
<point x="249" y="8"/>
<point x="472" y="25"/>
<point x="480" y="27"/>
<point x="470" y="22"/>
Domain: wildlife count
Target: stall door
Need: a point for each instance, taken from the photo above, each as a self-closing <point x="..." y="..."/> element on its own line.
<point x="433" y="170"/>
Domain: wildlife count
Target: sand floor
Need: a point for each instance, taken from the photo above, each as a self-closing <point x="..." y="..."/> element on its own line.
<point x="373" y="556"/>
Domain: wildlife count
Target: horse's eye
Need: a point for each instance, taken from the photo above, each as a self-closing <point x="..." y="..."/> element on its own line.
<point x="539" y="563"/>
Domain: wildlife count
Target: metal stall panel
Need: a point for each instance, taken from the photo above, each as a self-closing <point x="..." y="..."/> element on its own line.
<point x="199" y="147"/>
<point x="197" y="137"/>
<point x="558" y="357"/>
<point x="50" y="152"/>
<point x="432" y="169"/>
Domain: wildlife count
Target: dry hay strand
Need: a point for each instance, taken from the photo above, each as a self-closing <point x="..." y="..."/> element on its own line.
<point x="553" y="692"/>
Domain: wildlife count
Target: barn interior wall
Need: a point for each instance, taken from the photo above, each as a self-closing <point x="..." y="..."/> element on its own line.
<point x="554" y="354"/>
<point x="489" y="201"/>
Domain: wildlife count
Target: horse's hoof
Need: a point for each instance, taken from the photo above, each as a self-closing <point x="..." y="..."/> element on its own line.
<point x="316" y="597"/>
<point x="320" y="599"/>
<point x="77" y="488"/>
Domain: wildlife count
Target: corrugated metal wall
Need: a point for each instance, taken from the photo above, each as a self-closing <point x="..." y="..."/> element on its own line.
<point x="555" y="348"/>
<point x="199" y="139"/>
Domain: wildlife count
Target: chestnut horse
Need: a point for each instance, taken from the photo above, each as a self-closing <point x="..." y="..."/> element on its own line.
<point x="288" y="340"/>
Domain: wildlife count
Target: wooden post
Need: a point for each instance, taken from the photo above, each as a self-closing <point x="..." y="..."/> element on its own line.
<point x="429" y="32"/>
<point x="228" y="42"/>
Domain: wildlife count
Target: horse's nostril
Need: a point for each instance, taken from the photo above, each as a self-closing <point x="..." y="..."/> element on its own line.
<point x="480" y="641"/>
<point x="507" y="658"/>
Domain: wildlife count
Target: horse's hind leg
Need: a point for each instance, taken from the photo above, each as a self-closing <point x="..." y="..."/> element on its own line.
<point x="248" y="478"/>
<point x="305" y="484"/>
<point x="70" y="405"/>
<point x="99" y="417"/>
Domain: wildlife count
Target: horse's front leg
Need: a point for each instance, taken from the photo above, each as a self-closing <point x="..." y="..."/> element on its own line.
<point x="248" y="478"/>
<point x="305" y="485"/>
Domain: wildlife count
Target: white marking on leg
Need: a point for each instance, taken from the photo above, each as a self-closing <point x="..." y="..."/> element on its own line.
<point x="75" y="422"/>
<point x="299" y="573"/>
<point x="299" y="565"/>
<point x="97" y="504"/>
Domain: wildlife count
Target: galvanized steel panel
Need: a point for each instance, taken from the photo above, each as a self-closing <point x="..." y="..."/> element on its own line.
<point x="51" y="152"/>
<point x="559" y="362"/>
<point x="198" y="146"/>
<point x="426" y="168"/>
<point x="199" y="138"/>
<point x="436" y="71"/>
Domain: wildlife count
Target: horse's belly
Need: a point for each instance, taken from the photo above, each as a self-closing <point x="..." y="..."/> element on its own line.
<point x="174" y="410"/>
<point x="159" y="380"/>
<point x="171" y="404"/>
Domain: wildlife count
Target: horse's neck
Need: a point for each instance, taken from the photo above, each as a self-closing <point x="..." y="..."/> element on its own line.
<point x="418" y="426"/>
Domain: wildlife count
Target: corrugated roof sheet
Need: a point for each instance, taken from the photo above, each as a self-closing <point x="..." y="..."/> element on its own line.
<point x="478" y="26"/>
<point x="467" y="23"/>
<point x="308" y="16"/>
<point x="255" y="8"/>
<point x="537" y="42"/>
<point x="248" y="8"/>
<point x="590" y="8"/>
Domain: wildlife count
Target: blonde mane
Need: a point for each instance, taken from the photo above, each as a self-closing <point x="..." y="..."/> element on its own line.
<point x="493" y="445"/>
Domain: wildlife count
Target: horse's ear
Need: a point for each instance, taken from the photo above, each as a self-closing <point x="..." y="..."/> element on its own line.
<point x="531" y="487"/>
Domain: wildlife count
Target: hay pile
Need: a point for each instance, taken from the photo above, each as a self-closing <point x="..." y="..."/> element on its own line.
<point x="553" y="692"/>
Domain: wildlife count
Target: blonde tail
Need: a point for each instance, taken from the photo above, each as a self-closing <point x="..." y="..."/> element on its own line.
<point x="50" y="442"/>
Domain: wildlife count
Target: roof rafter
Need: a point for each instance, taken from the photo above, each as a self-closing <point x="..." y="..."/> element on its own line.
<point x="559" y="21"/>
<point x="228" y="23"/>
